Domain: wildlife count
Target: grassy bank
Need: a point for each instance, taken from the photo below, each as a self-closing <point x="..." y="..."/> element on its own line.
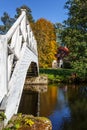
<point x="64" y="75"/>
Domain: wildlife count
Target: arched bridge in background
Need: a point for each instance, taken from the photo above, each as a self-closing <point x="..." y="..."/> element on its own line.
<point x="18" y="53"/>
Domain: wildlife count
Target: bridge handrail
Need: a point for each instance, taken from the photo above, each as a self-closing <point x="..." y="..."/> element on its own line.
<point x="29" y="34"/>
<point x="15" y="25"/>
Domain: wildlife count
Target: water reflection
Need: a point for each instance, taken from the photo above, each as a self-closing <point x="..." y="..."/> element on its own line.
<point x="29" y="103"/>
<point x="77" y="98"/>
<point x="61" y="112"/>
<point x="48" y="101"/>
<point x="64" y="105"/>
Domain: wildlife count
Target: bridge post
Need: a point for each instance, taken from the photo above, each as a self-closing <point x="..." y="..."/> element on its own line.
<point x="3" y="67"/>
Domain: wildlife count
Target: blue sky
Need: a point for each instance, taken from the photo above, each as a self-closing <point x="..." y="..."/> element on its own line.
<point x="52" y="10"/>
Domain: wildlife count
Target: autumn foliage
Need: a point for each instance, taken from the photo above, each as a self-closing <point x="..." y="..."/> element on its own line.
<point x="46" y="42"/>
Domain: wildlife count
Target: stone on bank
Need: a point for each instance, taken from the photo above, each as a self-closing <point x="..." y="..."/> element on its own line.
<point x="28" y="122"/>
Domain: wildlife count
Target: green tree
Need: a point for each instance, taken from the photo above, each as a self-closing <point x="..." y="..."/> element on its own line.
<point x="8" y="21"/>
<point x="28" y="13"/>
<point x="75" y="32"/>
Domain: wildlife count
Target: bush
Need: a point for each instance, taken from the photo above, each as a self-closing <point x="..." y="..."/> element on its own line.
<point x="63" y="75"/>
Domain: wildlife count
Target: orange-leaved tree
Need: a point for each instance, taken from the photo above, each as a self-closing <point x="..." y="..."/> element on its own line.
<point x="46" y="42"/>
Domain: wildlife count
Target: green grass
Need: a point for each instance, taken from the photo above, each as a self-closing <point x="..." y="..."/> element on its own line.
<point x="61" y="75"/>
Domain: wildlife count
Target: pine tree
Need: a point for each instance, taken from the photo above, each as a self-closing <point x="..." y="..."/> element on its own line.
<point x="8" y="21"/>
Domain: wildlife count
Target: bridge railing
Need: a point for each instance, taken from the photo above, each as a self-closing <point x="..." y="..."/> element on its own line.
<point x="11" y="44"/>
<point x="20" y="33"/>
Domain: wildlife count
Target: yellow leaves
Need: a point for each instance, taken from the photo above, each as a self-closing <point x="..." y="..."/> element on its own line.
<point x="17" y="126"/>
<point x="29" y="122"/>
<point x="46" y="42"/>
<point x="44" y="119"/>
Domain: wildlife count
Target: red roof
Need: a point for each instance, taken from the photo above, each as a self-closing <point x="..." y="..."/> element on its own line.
<point x="65" y="49"/>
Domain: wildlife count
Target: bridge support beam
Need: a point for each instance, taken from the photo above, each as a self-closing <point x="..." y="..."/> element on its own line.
<point x="3" y="67"/>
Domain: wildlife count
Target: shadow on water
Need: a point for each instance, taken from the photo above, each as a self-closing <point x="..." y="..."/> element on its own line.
<point x="64" y="105"/>
<point x="29" y="103"/>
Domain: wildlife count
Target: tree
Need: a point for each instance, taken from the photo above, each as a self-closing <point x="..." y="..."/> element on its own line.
<point x="8" y="21"/>
<point x="28" y="13"/>
<point x="75" y="33"/>
<point x="46" y="39"/>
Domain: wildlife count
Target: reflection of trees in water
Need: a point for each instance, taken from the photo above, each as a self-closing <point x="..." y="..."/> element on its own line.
<point x="48" y="101"/>
<point x="78" y="105"/>
<point x="61" y="112"/>
<point x="28" y="103"/>
<point x="83" y="91"/>
<point x="64" y="102"/>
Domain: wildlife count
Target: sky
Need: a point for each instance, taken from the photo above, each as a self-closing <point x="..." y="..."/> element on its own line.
<point x="52" y="10"/>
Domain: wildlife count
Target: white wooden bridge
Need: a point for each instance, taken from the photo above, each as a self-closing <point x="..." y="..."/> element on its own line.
<point x="18" y="51"/>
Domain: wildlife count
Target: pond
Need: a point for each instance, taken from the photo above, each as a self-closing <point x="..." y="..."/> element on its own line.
<point x="65" y="105"/>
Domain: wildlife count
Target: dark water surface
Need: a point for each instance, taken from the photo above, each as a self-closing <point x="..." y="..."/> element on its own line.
<point x="64" y="105"/>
